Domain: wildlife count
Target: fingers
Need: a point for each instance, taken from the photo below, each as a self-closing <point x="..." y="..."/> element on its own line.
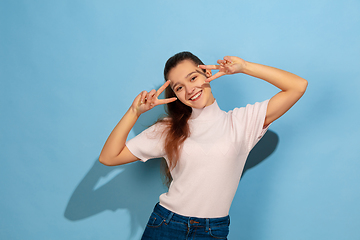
<point x="209" y="66"/>
<point x="165" y="101"/>
<point x="151" y="98"/>
<point x="215" y="76"/>
<point x="228" y="59"/>
<point x="221" y="62"/>
<point x="214" y="67"/>
<point x="226" y="62"/>
<point x="162" y="88"/>
<point x="147" y="100"/>
<point x="143" y="96"/>
<point x="146" y="97"/>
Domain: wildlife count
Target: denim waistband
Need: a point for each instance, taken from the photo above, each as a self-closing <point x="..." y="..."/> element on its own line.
<point x="194" y="221"/>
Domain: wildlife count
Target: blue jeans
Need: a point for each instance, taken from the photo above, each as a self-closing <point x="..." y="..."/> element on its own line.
<point x="164" y="224"/>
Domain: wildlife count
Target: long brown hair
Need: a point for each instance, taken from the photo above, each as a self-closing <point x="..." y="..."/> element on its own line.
<point x="177" y="117"/>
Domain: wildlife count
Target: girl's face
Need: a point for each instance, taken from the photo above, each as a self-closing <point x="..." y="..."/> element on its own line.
<point x="188" y="83"/>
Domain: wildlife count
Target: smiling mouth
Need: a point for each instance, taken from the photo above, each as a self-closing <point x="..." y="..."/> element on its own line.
<point x="196" y="96"/>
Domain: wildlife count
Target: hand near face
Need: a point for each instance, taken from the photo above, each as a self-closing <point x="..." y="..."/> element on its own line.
<point x="229" y="65"/>
<point x="147" y="100"/>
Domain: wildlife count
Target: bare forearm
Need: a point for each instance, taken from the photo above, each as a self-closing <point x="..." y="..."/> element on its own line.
<point x="292" y="86"/>
<point x="116" y="141"/>
<point x="114" y="151"/>
<point x="284" y="80"/>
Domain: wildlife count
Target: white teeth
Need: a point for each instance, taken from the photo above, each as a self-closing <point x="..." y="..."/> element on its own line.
<point x="196" y="96"/>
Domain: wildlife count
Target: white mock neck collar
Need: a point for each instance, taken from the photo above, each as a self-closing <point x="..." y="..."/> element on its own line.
<point x="207" y="113"/>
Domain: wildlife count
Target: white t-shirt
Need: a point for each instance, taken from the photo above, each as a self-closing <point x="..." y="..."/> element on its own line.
<point x="212" y="159"/>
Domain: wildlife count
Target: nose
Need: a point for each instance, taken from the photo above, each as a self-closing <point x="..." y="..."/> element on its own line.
<point x="189" y="88"/>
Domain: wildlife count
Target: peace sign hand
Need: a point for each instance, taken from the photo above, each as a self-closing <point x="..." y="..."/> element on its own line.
<point x="147" y="100"/>
<point x="230" y="65"/>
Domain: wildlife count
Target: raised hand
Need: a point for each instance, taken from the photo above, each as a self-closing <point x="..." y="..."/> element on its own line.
<point x="228" y="65"/>
<point x="147" y="100"/>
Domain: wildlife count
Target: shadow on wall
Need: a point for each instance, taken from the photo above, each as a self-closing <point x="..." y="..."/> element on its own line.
<point x="136" y="186"/>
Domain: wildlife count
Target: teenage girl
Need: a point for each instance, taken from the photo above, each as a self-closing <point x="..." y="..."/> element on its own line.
<point x="205" y="148"/>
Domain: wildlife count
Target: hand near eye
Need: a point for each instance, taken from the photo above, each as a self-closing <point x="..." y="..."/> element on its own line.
<point x="147" y="100"/>
<point x="229" y="65"/>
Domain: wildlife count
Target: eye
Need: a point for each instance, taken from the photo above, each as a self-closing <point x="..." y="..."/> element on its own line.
<point x="193" y="79"/>
<point x="177" y="89"/>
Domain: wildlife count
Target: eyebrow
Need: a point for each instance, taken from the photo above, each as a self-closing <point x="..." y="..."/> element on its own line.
<point x="196" y="71"/>
<point x="190" y="74"/>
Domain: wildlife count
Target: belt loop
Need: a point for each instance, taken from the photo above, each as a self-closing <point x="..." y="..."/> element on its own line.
<point x="207" y="225"/>
<point x="169" y="217"/>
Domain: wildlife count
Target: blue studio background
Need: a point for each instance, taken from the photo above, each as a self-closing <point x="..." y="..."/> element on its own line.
<point x="69" y="70"/>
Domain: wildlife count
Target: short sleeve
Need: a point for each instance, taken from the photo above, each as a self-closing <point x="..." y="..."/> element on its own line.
<point x="148" y="144"/>
<point x="252" y="118"/>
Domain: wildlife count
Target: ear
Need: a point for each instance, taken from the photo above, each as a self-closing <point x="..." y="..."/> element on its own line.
<point x="208" y="73"/>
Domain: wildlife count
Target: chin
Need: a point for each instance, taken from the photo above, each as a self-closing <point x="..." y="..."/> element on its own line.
<point x="199" y="105"/>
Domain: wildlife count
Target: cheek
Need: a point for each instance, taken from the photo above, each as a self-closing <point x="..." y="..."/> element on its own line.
<point x="180" y="96"/>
